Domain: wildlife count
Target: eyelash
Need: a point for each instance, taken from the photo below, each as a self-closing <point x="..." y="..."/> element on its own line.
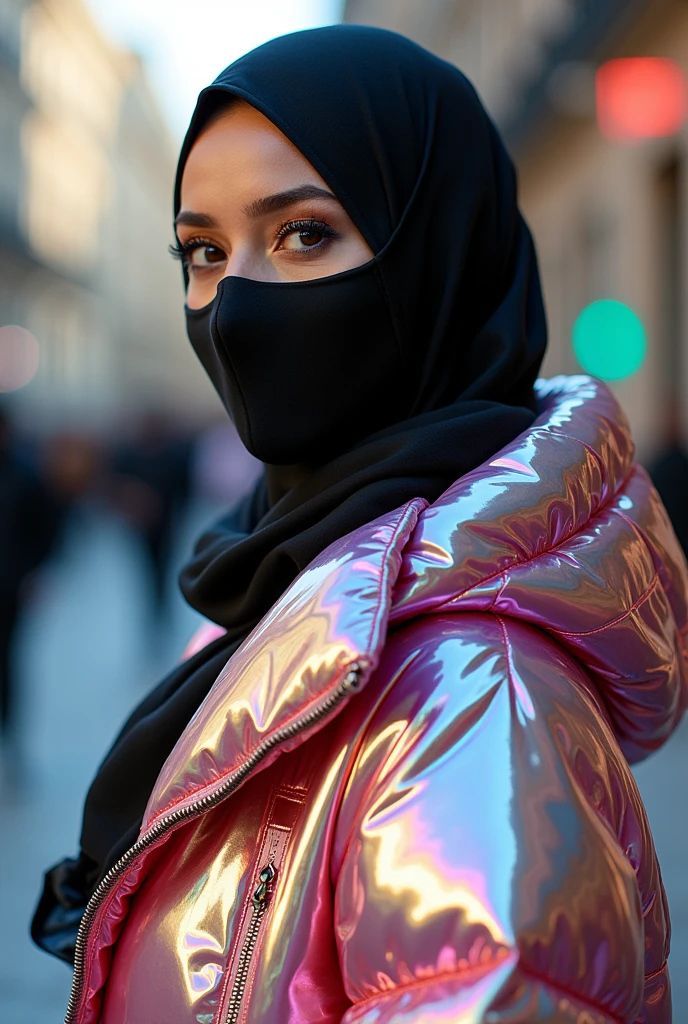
<point x="183" y="250"/>
<point x="315" y="227"/>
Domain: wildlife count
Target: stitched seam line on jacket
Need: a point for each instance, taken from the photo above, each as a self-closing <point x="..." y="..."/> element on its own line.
<point x="498" y="593"/>
<point x="643" y="536"/>
<point x="614" y="622"/>
<point x="526" y="970"/>
<point x="511" y="672"/>
<point x="439" y="979"/>
<point x="596" y="457"/>
<point x="559" y="987"/>
<point x="302" y="710"/>
<point x="510" y="669"/>
<point x="552" y="549"/>
<point x="650" y="550"/>
<point x="660" y="970"/>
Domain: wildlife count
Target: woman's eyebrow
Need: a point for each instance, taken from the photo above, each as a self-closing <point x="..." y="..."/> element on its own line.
<point x="195" y="220"/>
<point x="270" y="204"/>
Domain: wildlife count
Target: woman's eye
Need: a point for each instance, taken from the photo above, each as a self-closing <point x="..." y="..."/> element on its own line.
<point x="304" y="239"/>
<point x="206" y="256"/>
<point x="304" y="235"/>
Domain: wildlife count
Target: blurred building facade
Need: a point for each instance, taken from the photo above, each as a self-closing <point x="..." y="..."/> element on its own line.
<point x="609" y="219"/>
<point x="85" y="217"/>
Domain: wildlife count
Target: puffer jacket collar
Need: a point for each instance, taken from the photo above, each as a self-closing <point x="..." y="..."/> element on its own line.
<point x="316" y="647"/>
<point x="543" y="532"/>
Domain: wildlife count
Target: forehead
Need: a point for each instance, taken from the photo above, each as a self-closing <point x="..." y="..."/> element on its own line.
<point x="241" y="155"/>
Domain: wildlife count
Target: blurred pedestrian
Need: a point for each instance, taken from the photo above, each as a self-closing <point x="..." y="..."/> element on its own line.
<point x="394" y="783"/>
<point x="71" y="465"/>
<point x="222" y="470"/>
<point x="29" y="523"/>
<point x="151" y="488"/>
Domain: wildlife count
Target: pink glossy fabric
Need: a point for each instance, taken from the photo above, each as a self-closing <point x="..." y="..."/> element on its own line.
<point x="461" y="839"/>
<point x="203" y="636"/>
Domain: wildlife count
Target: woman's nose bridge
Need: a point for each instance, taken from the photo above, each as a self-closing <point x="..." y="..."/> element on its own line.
<point x="245" y="260"/>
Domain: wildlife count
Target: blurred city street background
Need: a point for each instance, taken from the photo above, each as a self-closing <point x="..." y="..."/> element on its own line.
<point x="114" y="450"/>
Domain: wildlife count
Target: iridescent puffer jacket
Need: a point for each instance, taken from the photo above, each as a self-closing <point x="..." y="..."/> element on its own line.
<point x="407" y="798"/>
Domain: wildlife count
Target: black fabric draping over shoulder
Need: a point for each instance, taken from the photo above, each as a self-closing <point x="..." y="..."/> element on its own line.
<point x="404" y="142"/>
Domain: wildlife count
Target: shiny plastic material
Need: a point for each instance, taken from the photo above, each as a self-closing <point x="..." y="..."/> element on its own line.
<point x="457" y="837"/>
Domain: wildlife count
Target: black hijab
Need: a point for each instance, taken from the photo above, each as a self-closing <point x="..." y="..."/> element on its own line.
<point x="404" y="142"/>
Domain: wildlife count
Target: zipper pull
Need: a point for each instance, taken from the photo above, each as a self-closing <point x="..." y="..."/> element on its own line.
<point x="352" y="679"/>
<point x="261" y="896"/>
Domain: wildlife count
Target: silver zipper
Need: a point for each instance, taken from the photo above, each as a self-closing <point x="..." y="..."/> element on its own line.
<point x="346" y="687"/>
<point x="259" y="903"/>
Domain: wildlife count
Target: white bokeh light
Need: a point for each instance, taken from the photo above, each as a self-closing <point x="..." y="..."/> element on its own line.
<point x="19" y="357"/>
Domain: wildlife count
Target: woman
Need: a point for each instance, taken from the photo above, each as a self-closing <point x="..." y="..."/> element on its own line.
<point x="393" y="786"/>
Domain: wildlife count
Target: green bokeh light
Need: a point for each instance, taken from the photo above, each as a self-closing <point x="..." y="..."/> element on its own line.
<point x="609" y="340"/>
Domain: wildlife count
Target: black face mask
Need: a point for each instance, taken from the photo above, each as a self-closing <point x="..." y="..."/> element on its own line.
<point x="305" y="369"/>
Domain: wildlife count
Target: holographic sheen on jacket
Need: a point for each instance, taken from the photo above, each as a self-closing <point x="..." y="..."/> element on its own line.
<point x="460" y="838"/>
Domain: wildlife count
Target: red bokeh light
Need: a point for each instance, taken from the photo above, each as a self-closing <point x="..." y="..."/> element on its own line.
<point x="640" y="98"/>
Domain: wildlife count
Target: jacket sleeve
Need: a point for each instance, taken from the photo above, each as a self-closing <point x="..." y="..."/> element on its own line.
<point x="492" y="861"/>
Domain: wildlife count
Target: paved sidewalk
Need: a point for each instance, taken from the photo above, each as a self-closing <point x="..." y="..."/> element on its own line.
<point x="85" y="659"/>
<point x="663" y="782"/>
